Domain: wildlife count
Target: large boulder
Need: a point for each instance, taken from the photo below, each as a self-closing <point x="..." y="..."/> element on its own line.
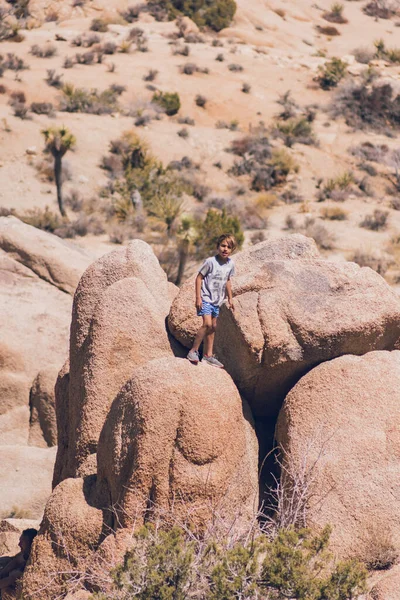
<point x="294" y="310"/>
<point x="38" y="274"/>
<point x="179" y="435"/>
<point x="52" y="259"/>
<point x="118" y="323"/>
<point x="340" y="431"/>
<point x="34" y="325"/>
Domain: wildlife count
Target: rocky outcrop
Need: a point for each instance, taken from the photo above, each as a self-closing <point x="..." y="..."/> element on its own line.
<point x="10" y="532"/>
<point x="294" y="310"/>
<point x="173" y="438"/>
<point x="388" y="587"/>
<point x="42" y="422"/>
<point x="179" y="435"/>
<point x="71" y="527"/>
<point x="38" y="274"/>
<point x="342" y="420"/>
<point x="118" y="323"/>
<point x="52" y="259"/>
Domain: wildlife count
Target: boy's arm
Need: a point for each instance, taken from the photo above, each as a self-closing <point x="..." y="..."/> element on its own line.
<point x="197" y="284"/>
<point x="229" y="294"/>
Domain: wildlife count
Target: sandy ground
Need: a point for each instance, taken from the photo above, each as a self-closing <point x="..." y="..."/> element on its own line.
<point x="279" y="48"/>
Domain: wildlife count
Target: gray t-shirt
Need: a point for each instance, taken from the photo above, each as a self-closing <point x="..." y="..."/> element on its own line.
<point x="215" y="277"/>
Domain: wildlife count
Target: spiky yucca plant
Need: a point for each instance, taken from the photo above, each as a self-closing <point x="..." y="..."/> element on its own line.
<point x="58" y="140"/>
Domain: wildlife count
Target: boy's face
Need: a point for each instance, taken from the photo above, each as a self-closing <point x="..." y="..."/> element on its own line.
<point x="224" y="250"/>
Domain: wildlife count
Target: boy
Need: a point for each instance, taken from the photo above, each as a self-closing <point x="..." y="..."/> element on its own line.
<point x="213" y="282"/>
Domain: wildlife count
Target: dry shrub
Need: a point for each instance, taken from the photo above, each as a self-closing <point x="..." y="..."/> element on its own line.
<point x="364" y="55"/>
<point x="377" y="260"/>
<point x="265" y="201"/>
<point x="257" y="237"/>
<point x="370" y="151"/>
<point x="92" y="101"/>
<point x="53" y="79"/>
<point x="85" y="58"/>
<point x="132" y="13"/>
<point x="46" y="51"/>
<point x="74" y="200"/>
<point x="80" y="227"/>
<point x="44" y="219"/>
<point x="291" y="195"/>
<point x="377" y="221"/>
<point x="99" y="25"/>
<point x="395" y="203"/>
<point x="235" y="68"/>
<point x="324" y="239"/>
<point x="45" y="169"/>
<point x="186" y="121"/>
<point x="120" y="232"/>
<point x="313" y="228"/>
<point x="337" y="188"/>
<point x="378" y="550"/>
<point x="333" y="213"/>
<point x="327" y="30"/>
<point x="335" y="15"/>
<point x="364" y="105"/>
<point x="6" y="212"/>
<point x="200" y="100"/>
<point x="151" y="75"/>
<point x="381" y="9"/>
<point x="182" y="50"/>
<point x="42" y="108"/>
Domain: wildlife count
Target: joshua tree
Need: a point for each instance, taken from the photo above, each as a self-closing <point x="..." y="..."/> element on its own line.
<point x="185" y="238"/>
<point x="58" y="141"/>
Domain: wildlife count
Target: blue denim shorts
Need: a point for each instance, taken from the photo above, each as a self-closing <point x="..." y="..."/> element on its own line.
<point x="208" y="309"/>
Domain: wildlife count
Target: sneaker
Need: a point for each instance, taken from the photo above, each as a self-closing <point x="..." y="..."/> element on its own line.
<point x="193" y="356"/>
<point x="214" y="362"/>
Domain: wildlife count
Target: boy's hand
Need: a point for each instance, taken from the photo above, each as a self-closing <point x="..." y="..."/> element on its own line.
<point x="231" y="305"/>
<point x="199" y="304"/>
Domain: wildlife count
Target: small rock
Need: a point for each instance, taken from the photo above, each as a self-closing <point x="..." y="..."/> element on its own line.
<point x="83" y="179"/>
<point x="31" y="151"/>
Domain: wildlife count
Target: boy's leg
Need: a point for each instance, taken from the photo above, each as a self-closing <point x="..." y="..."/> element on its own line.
<point x="193" y="355"/>
<point x="202" y="332"/>
<point x="209" y="338"/>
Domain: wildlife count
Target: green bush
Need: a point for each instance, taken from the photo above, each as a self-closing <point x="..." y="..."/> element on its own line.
<point x="169" y="102"/>
<point x="176" y="564"/>
<point x="331" y="73"/>
<point x="214" y="224"/>
<point x="205" y="13"/>
<point x="296" y="129"/>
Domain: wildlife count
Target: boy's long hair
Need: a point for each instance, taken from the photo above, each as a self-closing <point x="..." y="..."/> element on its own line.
<point x="229" y="238"/>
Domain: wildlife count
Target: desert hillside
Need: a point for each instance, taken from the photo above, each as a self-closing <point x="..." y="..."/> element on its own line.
<point x="325" y="183"/>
